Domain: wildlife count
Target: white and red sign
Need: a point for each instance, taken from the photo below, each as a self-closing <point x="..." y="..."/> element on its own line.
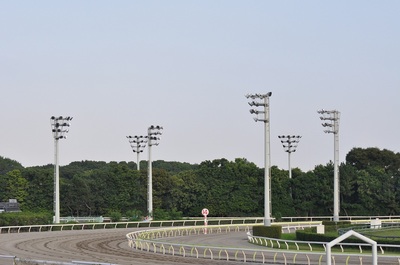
<point x="204" y="212"/>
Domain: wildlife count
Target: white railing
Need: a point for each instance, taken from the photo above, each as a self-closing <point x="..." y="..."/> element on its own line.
<point x="275" y="251"/>
<point x="82" y="219"/>
<point x="312" y="245"/>
<point x="88" y="226"/>
<point x="186" y="222"/>
<point x="15" y="260"/>
<point x="151" y="241"/>
<point x="388" y="218"/>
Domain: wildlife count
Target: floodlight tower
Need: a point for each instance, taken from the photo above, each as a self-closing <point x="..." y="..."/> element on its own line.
<point x="138" y="143"/>
<point x="152" y="136"/>
<point x="262" y="100"/>
<point x="59" y="127"/>
<point x="289" y="143"/>
<point x="331" y="118"/>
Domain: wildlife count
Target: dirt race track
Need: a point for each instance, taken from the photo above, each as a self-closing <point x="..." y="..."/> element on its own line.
<point x="110" y="246"/>
<point x="103" y="246"/>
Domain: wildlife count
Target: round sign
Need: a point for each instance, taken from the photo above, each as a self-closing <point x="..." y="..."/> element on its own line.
<point x="204" y="211"/>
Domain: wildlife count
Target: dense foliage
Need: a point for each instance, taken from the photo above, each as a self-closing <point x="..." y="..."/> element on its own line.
<point x="25" y="218"/>
<point x="369" y="185"/>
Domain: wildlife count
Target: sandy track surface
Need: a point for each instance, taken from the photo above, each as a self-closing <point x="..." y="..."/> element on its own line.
<point x="111" y="246"/>
<point x="105" y="246"/>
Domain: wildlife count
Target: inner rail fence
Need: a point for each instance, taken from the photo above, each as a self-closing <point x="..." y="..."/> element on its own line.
<point x="274" y="251"/>
<point x="159" y="241"/>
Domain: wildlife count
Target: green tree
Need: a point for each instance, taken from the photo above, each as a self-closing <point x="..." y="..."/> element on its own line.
<point x="163" y="184"/>
<point x="7" y="165"/>
<point x="172" y="167"/>
<point x="282" y="201"/>
<point x="374" y="157"/>
<point x="324" y="189"/>
<point x="377" y="188"/>
<point x="313" y="191"/>
<point x="14" y="186"/>
<point x="229" y="188"/>
<point x="375" y="180"/>
<point x="349" y="199"/>
<point x="186" y="193"/>
<point x="120" y="188"/>
<point x="305" y="194"/>
<point x="40" y="189"/>
<point x="76" y="197"/>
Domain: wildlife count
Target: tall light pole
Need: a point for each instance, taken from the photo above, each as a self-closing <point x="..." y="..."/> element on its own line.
<point x="152" y="136"/>
<point x="331" y="118"/>
<point x="138" y="143"/>
<point x="262" y="100"/>
<point x="59" y="127"/>
<point x="289" y="143"/>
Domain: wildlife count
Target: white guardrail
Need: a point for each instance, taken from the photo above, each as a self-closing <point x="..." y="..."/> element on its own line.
<point x="151" y="241"/>
<point x="274" y="251"/>
<point x="15" y="260"/>
<point x="84" y="226"/>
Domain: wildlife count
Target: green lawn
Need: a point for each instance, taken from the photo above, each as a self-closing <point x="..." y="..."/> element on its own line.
<point x="392" y="232"/>
<point x="374" y="234"/>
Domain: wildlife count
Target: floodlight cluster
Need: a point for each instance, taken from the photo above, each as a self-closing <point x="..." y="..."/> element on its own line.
<point x="138" y="143"/>
<point x="332" y="120"/>
<point x="60" y="126"/>
<point x="263" y="101"/>
<point x="289" y="142"/>
<point x="259" y="96"/>
<point x="152" y="133"/>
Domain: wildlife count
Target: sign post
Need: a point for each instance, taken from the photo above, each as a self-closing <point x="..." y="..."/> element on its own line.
<point x="205" y="212"/>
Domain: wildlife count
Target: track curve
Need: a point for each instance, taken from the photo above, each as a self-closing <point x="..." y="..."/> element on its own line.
<point x="103" y="246"/>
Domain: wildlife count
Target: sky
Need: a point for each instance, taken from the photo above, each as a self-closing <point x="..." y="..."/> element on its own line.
<point x="118" y="67"/>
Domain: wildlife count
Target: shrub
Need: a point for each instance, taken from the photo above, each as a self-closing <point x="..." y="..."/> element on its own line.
<point x="161" y="214"/>
<point x="115" y="216"/>
<point x="332" y="226"/>
<point x="134" y="215"/>
<point x="274" y="231"/>
<point x="309" y="235"/>
<point x="25" y="218"/>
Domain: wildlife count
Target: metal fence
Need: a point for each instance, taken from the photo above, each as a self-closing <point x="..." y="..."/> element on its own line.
<point x="13" y="260"/>
<point x="274" y="251"/>
<point x="85" y="226"/>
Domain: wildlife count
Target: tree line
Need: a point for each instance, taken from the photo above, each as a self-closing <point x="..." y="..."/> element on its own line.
<point x="369" y="185"/>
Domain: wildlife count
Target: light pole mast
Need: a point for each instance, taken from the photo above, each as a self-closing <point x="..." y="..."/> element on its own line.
<point x="59" y="127"/>
<point x="262" y="100"/>
<point x="138" y="143"/>
<point x="289" y="143"/>
<point x="152" y="137"/>
<point x="332" y="122"/>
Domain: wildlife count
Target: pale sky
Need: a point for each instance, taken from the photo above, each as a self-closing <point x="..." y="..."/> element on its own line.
<point x="118" y="67"/>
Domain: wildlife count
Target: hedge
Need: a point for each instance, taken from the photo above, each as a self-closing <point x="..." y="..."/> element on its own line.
<point x="274" y="231"/>
<point x="25" y="218"/>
